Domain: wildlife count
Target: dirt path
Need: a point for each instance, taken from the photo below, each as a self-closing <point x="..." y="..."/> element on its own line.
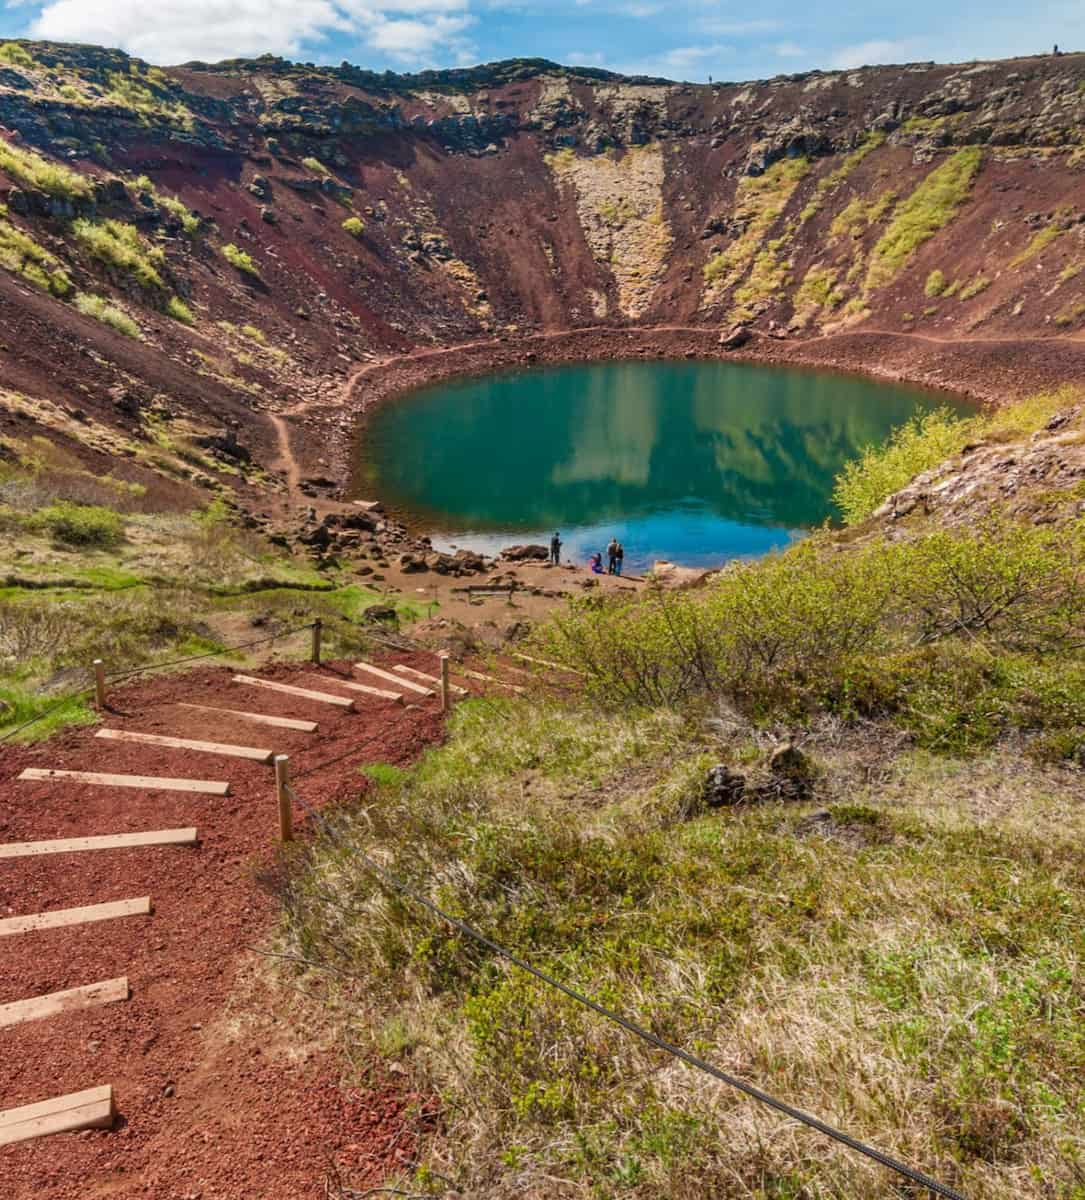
<point x="214" y="1100"/>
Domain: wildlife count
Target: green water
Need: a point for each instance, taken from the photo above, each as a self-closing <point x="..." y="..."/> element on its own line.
<point x="696" y="462"/>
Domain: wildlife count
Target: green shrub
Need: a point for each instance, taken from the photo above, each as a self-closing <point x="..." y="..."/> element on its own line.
<point x="81" y="524"/>
<point x="936" y="283"/>
<point x="315" y="165"/>
<point x="16" y="55"/>
<point x="254" y="334"/>
<point x="237" y="257"/>
<point x="929" y="208"/>
<point x="122" y="247"/>
<point x="190" y="222"/>
<point x="22" y="255"/>
<point x="867" y="482"/>
<point x="979" y="284"/>
<point x="109" y="314"/>
<point x="179" y="311"/>
<point x="355" y="226"/>
<point x="33" y="171"/>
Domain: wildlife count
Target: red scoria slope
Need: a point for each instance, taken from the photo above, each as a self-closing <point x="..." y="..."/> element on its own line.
<point x="381" y="215"/>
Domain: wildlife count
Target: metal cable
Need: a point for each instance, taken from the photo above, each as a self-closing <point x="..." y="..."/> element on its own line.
<point x="781" y="1106"/>
<point x="46" y="712"/>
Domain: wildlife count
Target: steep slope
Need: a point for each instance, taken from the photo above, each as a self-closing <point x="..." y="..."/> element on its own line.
<point x="226" y="242"/>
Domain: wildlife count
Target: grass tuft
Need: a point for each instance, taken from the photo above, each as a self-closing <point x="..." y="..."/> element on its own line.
<point x="109" y="314"/>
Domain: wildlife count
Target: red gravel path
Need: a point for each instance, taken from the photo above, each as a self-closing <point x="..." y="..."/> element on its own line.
<point x="205" y="1111"/>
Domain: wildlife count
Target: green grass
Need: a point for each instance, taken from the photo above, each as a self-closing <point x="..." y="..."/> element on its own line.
<point x="936" y="283"/>
<point x="930" y="207"/>
<point x="909" y="969"/>
<point x="239" y="259"/>
<point x="15" y="55"/>
<point x="109" y="314"/>
<point x="179" y="311"/>
<point x="355" y="226"/>
<point x="23" y="256"/>
<point x="30" y="169"/>
<point x="831" y="181"/>
<point x="123" y="247"/>
<point x="315" y="166"/>
<point x="190" y="222"/>
<point x="18" y="705"/>
<point x="979" y="283"/>
<point x="1037" y="244"/>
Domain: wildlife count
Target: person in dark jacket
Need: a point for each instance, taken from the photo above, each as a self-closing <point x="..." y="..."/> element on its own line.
<point x="619" y="557"/>
<point x="612" y="555"/>
<point x="555" y="549"/>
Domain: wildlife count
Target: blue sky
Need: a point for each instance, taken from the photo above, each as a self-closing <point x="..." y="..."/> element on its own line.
<point x="681" y="39"/>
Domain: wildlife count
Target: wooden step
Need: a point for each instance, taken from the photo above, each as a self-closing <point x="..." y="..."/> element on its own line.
<point x="174" y="743"/>
<point x="256" y="718"/>
<point x="91" y="1109"/>
<point x="301" y="693"/>
<point x="422" y="677"/>
<point x="490" y="679"/>
<point x="109" y="841"/>
<point x="73" y="1000"/>
<point x="388" y="677"/>
<point x="209" y="787"/>
<point x="60" y="917"/>
<point x="542" y="662"/>
<point x="364" y="689"/>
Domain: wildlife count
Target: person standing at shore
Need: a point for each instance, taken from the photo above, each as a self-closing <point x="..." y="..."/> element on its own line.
<point x="555" y="549"/>
<point x="619" y="557"/>
<point x="612" y="555"/>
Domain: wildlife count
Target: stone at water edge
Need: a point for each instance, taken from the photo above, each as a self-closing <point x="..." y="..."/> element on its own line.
<point x="529" y="553"/>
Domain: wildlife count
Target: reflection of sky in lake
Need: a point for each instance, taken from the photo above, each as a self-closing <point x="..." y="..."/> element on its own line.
<point x="695" y="462"/>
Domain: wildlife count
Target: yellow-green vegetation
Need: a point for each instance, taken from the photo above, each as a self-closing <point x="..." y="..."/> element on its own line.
<point x="925" y="441"/>
<point x="122" y="247"/>
<point x="190" y="223"/>
<point x="355" y="226"/>
<point x="20" y="254"/>
<point x="239" y="259"/>
<point x="1070" y="314"/>
<point x="936" y="283"/>
<point x="977" y="284"/>
<point x="179" y="311"/>
<point x="15" y="55"/>
<point x="146" y="93"/>
<point x="930" y="207"/>
<point x="315" y="165"/>
<point x="898" y="952"/>
<point x="1037" y="244"/>
<point x="1072" y="271"/>
<point x="818" y="292"/>
<point x="33" y="171"/>
<point x="88" y="525"/>
<point x="254" y="334"/>
<point x="109" y="314"/>
<point x="830" y="182"/>
<point x="766" y="281"/>
<point x="860" y="214"/>
<point x="759" y="202"/>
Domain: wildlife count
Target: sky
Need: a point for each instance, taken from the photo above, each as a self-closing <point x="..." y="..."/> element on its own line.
<point x="678" y="39"/>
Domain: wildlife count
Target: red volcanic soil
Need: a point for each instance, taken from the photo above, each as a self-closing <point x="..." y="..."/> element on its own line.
<point x="217" y="1098"/>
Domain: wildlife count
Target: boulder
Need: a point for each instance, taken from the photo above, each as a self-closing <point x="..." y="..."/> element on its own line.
<point x="381" y="614"/>
<point x="412" y="564"/>
<point x="724" y="787"/>
<point x="735" y="337"/>
<point x="527" y="553"/>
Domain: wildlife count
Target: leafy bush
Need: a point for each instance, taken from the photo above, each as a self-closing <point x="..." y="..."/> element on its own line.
<point x="929" y="208"/>
<point x="33" y="171"/>
<point x="179" y="311"/>
<point x="979" y="284"/>
<point x="315" y="165"/>
<point x="237" y="257"/>
<point x="122" y="246"/>
<point x="355" y="226"/>
<point x="21" y="254"/>
<point x="109" y="314"/>
<point x="922" y="443"/>
<point x="190" y="222"/>
<point x="81" y="524"/>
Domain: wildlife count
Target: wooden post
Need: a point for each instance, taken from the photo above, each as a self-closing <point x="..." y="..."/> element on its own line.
<point x="99" y="682"/>
<point x="446" y="702"/>
<point x="282" y="790"/>
<point x="318" y="629"/>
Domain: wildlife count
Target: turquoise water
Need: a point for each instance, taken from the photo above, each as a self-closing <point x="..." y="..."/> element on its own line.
<point x="696" y="462"/>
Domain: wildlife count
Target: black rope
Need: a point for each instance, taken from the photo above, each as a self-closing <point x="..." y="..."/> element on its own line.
<point x="177" y="662"/>
<point x="781" y="1106"/>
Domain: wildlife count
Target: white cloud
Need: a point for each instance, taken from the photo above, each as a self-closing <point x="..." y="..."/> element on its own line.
<point x="411" y="31"/>
<point x="869" y="54"/>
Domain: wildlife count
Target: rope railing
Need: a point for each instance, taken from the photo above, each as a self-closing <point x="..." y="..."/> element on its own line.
<point x="101" y="676"/>
<point x="288" y="796"/>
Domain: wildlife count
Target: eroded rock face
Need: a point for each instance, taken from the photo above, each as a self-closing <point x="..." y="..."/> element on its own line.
<point x="529" y="553"/>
